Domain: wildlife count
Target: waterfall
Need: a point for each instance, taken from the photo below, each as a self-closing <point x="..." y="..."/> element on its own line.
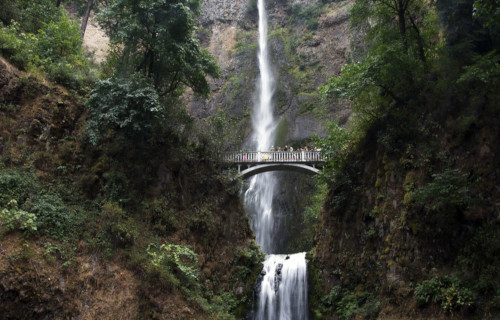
<point x="283" y="290"/>
<point x="259" y="196"/>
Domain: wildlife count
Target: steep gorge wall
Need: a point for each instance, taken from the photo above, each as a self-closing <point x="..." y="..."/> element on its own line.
<point x="309" y="42"/>
<point x="95" y="265"/>
<point x="377" y="241"/>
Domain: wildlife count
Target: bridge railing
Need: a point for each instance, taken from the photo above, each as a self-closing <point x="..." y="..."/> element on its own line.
<point x="273" y="156"/>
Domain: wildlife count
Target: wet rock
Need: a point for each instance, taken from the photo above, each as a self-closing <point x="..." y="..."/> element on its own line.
<point x="239" y="291"/>
<point x="278" y="277"/>
<point x="258" y="283"/>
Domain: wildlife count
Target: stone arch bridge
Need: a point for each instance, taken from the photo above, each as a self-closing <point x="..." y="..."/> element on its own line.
<point x="250" y="163"/>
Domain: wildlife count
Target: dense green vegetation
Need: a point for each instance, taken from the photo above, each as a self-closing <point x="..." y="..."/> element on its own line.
<point x="423" y="91"/>
<point x="39" y="37"/>
<point x="128" y="177"/>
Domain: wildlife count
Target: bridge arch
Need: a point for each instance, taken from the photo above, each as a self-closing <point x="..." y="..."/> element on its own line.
<point x="251" y="171"/>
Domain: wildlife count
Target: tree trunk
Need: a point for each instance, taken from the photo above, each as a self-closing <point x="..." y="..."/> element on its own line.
<point x="86" y="17"/>
<point x="402" y="23"/>
<point x="58" y="3"/>
<point x="420" y="41"/>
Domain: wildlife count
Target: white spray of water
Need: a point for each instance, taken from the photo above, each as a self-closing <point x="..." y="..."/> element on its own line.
<point x="259" y="196"/>
<point x="283" y="291"/>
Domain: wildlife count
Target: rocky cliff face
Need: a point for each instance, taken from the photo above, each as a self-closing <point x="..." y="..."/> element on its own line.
<point x="309" y="43"/>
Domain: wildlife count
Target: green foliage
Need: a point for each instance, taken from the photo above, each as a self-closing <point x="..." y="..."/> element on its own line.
<point x="12" y="218"/>
<point x="306" y="15"/>
<point x="179" y="259"/>
<point x="216" y="134"/>
<point x="333" y="297"/>
<point x="200" y="218"/>
<point x="32" y="14"/>
<point x="122" y="107"/>
<point x="161" y="215"/>
<point x="157" y="39"/>
<point x="479" y="257"/>
<point x="48" y="212"/>
<point x="54" y="49"/>
<point x="333" y="148"/>
<point x="484" y="71"/>
<point x="116" y="187"/>
<point x="248" y="260"/>
<point x="121" y="231"/>
<point x="19" y="47"/>
<point x="59" y="39"/>
<point x="313" y="210"/>
<point x="357" y="303"/>
<point x="53" y="218"/>
<point x="17" y="185"/>
<point x="124" y="232"/>
<point x="348" y="304"/>
<point x="449" y="291"/>
<point x="449" y="188"/>
<point x="383" y="83"/>
<point x="223" y="305"/>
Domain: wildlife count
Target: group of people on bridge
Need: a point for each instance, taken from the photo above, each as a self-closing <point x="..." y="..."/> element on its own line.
<point x="290" y="148"/>
<point x="288" y="154"/>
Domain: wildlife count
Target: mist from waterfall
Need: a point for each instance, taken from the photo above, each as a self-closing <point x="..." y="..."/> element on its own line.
<point x="282" y="293"/>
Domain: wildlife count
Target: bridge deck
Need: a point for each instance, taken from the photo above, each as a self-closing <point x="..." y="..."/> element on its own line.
<point x="255" y="157"/>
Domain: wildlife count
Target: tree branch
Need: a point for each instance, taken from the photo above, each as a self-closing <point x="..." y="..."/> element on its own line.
<point x="420" y="41"/>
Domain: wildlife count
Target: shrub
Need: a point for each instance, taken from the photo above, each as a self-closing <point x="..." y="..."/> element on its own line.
<point x="60" y="39"/>
<point x="116" y="186"/>
<point x="306" y="15"/>
<point x="357" y="303"/>
<point x="161" y="215"/>
<point x="53" y="218"/>
<point x="122" y="108"/>
<point x="34" y="14"/>
<point x="480" y="255"/>
<point x="53" y="48"/>
<point x="18" y="46"/>
<point x="333" y="296"/>
<point x="12" y="218"/>
<point x="449" y="188"/>
<point x="123" y="233"/>
<point x="17" y="185"/>
<point x="178" y="259"/>
<point x="449" y="291"/>
<point x="333" y="148"/>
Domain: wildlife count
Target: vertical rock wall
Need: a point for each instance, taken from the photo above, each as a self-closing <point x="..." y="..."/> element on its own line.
<point x="309" y="43"/>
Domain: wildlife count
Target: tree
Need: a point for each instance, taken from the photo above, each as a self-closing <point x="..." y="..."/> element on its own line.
<point x="156" y="38"/>
<point x="122" y="108"/>
<point x="400" y="35"/>
<point x="86" y="15"/>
